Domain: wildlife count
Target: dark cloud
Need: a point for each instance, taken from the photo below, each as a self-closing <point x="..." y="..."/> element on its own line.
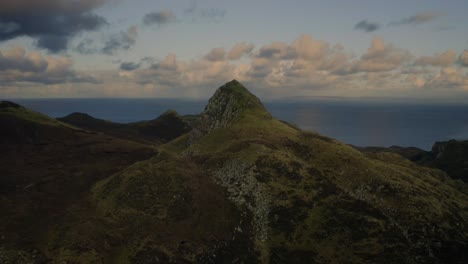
<point x="159" y="18"/>
<point x="367" y="26"/>
<point x="123" y="41"/>
<point x="276" y="50"/>
<point x="147" y="60"/>
<point x="9" y="27"/>
<point x="85" y="46"/>
<point x="51" y="22"/>
<point x="129" y="66"/>
<point x="53" y="43"/>
<point x="214" y="14"/>
<point x="417" y="19"/>
<point x="49" y="6"/>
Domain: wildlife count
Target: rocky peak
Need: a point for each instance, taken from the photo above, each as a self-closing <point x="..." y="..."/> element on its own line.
<point x="228" y="102"/>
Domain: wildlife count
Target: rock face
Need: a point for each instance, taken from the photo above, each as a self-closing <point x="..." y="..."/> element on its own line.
<point x="252" y="189"/>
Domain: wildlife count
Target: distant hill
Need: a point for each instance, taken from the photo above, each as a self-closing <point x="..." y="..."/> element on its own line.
<point x="449" y="156"/>
<point x="166" y="127"/>
<point x="244" y="187"/>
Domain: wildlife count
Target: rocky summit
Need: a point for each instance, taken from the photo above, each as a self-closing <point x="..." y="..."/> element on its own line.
<point x="240" y="186"/>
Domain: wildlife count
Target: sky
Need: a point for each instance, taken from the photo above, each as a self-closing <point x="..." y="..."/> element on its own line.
<point x="410" y="49"/>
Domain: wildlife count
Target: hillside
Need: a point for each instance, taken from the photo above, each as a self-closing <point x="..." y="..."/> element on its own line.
<point x="244" y="187"/>
<point x="46" y="166"/>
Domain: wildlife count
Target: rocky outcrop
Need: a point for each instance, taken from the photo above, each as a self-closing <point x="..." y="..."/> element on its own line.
<point x="229" y="102"/>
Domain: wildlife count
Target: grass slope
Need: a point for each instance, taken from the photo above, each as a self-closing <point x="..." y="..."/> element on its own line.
<point x="243" y="187"/>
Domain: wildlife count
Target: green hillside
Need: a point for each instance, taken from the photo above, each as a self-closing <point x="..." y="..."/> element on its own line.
<point x="243" y="187"/>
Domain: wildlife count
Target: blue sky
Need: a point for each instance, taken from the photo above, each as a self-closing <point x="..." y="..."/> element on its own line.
<point x="411" y="49"/>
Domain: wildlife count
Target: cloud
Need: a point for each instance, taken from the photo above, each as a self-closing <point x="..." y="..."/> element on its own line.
<point x="159" y="18"/>
<point x="442" y="60"/>
<point x="239" y="50"/>
<point x="52" y="23"/>
<point x="417" y="19"/>
<point x="216" y="54"/>
<point x="122" y="41"/>
<point x="16" y="59"/>
<point x="275" y="50"/>
<point x="304" y="67"/>
<point x="380" y="57"/>
<point x="448" y="78"/>
<point x="85" y="46"/>
<point x="9" y="27"/>
<point x="366" y="26"/>
<point x="17" y="66"/>
<point x="463" y="59"/>
<point x="213" y="13"/>
<point x="129" y="66"/>
<point x="191" y="8"/>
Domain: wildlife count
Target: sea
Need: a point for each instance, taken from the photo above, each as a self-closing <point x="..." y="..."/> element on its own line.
<point x="357" y="122"/>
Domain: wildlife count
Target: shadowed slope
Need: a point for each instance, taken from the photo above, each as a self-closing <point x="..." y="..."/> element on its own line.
<point x="46" y="166"/>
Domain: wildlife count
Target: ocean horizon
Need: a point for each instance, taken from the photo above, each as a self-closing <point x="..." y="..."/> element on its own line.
<point x="356" y="122"/>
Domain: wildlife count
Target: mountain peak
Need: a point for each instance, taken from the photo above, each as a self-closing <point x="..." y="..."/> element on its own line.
<point x="230" y="101"/>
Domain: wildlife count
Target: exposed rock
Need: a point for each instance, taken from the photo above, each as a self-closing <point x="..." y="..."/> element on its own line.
<point x="246" y="192"/>
<point x="229" y="102"/>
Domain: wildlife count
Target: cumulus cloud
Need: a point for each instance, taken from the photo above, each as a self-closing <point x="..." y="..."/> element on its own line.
<point x="52" y="23"/>
<point x="463" y="59"/>
<point x="159" y="18"/>
<point x="239" y="50"/>
<point x="17" y="59"/>
<point x="216" y="54"/>
<point x="448" y="78"/>
<point x="442" y="60"/>
<point x="122" y="41"/>
<point x="17" y="66"/>
<point x="380" y="57"/>
<point x="305" y="66"/>
<point x="417" y="19"/>
<point x="366" y="26"/>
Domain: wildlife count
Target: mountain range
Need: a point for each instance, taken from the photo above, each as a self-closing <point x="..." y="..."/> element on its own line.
<point x="230" y="185"/>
